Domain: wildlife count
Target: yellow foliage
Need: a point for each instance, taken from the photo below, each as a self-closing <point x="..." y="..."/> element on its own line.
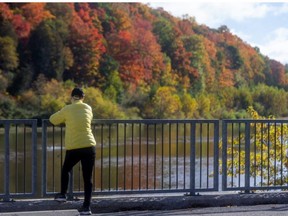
<point x="166" y="103"/>
<point x="267" y="151"/>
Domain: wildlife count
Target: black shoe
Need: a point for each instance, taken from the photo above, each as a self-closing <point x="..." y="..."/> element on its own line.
<point x="85" y="211"/>
<point x="60" y="197"/>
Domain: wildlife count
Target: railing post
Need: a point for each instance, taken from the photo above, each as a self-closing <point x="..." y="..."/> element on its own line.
<point x="7" y="163"/>
<point x="216" y="155"/>
<point x="224" y="155"/>
<point x="192" y="158"/>
<point x="247" y="157"/>
<point x="34" y="159"/>
<point x="44" y="157"/>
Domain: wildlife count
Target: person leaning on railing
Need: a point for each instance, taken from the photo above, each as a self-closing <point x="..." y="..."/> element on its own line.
<point x="79" y="143"/>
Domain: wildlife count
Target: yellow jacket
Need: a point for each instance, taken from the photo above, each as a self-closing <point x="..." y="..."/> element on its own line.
<point x="77" y="118"/>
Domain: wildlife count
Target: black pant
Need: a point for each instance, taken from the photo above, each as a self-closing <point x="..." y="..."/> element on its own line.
<point x="87" y="158"/>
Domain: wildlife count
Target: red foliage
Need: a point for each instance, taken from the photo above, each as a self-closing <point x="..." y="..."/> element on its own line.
<point x="22" y="27"/>
<point x="137" y="51"/>
<point x="278" y="72"/>
<point x="35" y="13"/>
<point x="87" y="45"/>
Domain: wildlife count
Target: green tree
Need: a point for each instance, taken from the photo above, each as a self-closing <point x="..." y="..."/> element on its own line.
<point x="243" y="99"/>
<point x="8" y="54"/>
<point x="109" y="80"/>
<point x="102" y="108"/>
<point x="273" y="100"/>
<point x="204" y="105"/>
<point x="166" y="103"/>
<point x="48" y="50"/>
<point x="235" y="57"/>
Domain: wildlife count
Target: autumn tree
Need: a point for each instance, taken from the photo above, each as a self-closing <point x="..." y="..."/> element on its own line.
<point x="267" y="156"/>
<point x="86" y="45"/>
<point x="8" y="54"/>
<point x="35" y="13"/>
<point x="166" y="103"/>
<point x="189" y="106"/>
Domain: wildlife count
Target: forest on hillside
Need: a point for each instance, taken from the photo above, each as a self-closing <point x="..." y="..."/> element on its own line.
<point x="134" y="62"/>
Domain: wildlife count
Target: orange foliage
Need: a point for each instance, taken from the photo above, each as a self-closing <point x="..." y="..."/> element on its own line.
<point x="35" y="13"/>
<point x="5" y="11"/>
<point x="186" y="27"/>
<point x="226" y="78"/>
<point x="137" y="51"/>
<point x="87" y="46"/>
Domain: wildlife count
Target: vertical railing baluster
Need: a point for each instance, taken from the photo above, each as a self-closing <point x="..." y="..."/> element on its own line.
<point x="268" y="143"/>
<point x="177" y="153"/>
<point x="162" y="155"/>
<point x="239" y="155"/>
<point x="140" y="156"/>
<point x="102" y="156"/>
<point x="247" y="157"/>
<point x="53" y="158"/>
<point x="24" y="162"/>
<point x="155" y="148"/>
<point x="216" y="155"/>
<point x="7" y="162"/>
<point x="224" y="154"/>
<point x="125" y="146"/>
<point x="109" y="157"/>
<point x="44" y="157"/>
<point x="16" y="158"/>
<point x="117" y="156"/>
<point x="201" y="153"/>
<point x="207" y="155"/>
<point x="184" y="157"/>
<point x="255" y="152"/>
<point x="262" y="142"/>
<point x="147" y="156"/>
<point x="232" y="152"/>
<point x="170" y="171"/>
<point x="192" y="157"/>
<point x="275" y="152"/>
<point x="281" y="153"/>
<point x="34" y="158"/>
<point x="94" y="168"/>
<point x="132" y="157"/>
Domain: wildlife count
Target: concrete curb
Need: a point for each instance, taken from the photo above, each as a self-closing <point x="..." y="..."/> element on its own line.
<point x="163" y="202"/>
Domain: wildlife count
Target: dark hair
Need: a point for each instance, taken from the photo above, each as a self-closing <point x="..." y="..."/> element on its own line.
<point x="77" y="92"/>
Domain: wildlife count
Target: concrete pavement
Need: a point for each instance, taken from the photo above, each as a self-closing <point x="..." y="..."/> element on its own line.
<point x="270" y="203"/>
<point x="43" y="213"/>
<point x="258" y="210"/>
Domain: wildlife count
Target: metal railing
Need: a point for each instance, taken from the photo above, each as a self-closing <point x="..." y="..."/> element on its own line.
<point x="141" y="156"/>
<point x="148" y="156"/>
<point x="18" y="165"/>
<point x="254" y="155"/>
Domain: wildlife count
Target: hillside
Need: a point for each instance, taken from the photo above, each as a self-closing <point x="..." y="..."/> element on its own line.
<point x="133" y="61"/>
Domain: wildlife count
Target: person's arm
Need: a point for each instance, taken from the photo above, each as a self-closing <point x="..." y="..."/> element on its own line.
<point x="57" y="118"/>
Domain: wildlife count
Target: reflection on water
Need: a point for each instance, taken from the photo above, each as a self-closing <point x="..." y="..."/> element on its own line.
<point x="20" y="155"/>
<point x="154" y="157"/>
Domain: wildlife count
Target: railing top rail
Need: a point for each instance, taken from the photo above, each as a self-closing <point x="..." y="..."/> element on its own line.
<point x="147" y="121"/>
<point x="255" y="120"/>
<point x="153" y="121"/>
<point x="18" y="121"/>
